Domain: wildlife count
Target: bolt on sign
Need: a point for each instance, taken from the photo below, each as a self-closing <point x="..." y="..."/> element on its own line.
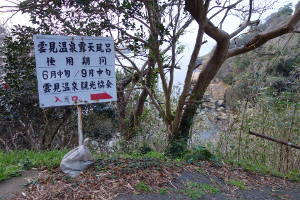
<point x="74" y="70"/>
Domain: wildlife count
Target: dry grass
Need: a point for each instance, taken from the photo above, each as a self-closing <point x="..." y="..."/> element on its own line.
<point x="102" y="181"/>
<point x="107" y="179"/>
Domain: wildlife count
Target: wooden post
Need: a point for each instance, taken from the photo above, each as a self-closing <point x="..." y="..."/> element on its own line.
<point x="80" y="134"/>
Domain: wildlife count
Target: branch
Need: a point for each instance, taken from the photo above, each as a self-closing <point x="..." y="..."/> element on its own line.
<point x="262" y="38"/>
<point x="156" y="104"/>
<point x="154" y="20"/>
<point x="215" y="33"/>
<point x="15" y="7"/>
<point x="222" y="21"/>
<point x="250" y="10"/>
<point x="9" y="18"/>
<point x="188" y="77"/>
<point x="195" y="8"/>
<point x="242" y="27"/>
<point x="227" y="7"/>
<point x="247" y="23"/>
<point x="141" y="21"/>
<point x="12" y="2"/>
<point x="173" y="60"/>
<point x="128" y="34"/>
<point x="180" y="31"/>
<point x="129" y="60"/>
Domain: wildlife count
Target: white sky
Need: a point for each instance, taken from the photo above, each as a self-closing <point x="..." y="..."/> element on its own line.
<point x="187" y="40"/>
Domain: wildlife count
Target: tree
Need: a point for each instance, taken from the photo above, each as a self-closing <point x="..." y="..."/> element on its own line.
<point x="147" y="29"/>
<point x="199" y="9"/>
<point x="150" y="30"/>
<point x="3" y="34"/>
<point x="24" y="124"/>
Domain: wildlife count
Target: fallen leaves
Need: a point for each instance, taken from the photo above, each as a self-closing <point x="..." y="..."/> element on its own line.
<point x="107" y="179"/>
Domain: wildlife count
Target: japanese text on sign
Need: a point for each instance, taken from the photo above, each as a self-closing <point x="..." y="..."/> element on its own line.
<point x="74" y="70"/>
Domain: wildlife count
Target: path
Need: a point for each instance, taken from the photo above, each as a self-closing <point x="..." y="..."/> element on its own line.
<point x="264" y="193"/>
<point x="15" y="185"/>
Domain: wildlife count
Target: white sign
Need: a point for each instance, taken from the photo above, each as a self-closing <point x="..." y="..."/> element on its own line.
<point x="74" y="70"/>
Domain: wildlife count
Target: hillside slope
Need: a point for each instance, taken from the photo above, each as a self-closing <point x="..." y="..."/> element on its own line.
<point x="273" y="68"/>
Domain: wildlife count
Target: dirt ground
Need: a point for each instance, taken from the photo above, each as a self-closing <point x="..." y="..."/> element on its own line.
<point x="16" y="185"/>
<point x="147" y="179"/>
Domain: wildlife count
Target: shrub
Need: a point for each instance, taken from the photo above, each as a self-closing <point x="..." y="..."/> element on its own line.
<point x="198" y="154"/>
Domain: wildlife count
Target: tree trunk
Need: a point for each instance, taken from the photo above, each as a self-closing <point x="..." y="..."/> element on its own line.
<point x="178" y="143"/>
<point x="139" y="109"/>
<point x="122" y="102"/>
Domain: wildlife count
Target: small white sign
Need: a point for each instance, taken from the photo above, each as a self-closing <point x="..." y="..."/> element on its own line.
<point x="75" y="70"/>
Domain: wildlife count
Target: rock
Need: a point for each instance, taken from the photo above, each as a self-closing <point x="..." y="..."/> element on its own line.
<point x="113" y="143"/>
<point x="220" y="109"/>
<point x="94" y="144"/>
<point x="220" y="102"/>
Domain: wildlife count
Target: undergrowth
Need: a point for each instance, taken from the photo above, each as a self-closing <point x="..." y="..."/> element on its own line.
<point x="12" y="163"/>
<point x="143" y="187"/>
<point x="197" y="190"/>
<point x="240" y="184"/>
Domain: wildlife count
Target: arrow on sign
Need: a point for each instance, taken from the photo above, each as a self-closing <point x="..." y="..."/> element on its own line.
<point x="57" y="99"/>
<point x="100" y="96"/>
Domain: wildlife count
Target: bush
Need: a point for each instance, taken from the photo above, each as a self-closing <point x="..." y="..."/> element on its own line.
<point x="144" y="149"/>
<point x="198" y="154"/>
<point x="177" y="148"/>
<point x="229" y="78"/>
<point x="285" y="67"/>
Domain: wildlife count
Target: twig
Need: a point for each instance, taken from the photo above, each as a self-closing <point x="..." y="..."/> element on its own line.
<point x="10" y="17"/>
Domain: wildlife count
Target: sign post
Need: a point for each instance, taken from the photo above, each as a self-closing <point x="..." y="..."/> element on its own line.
<point x="74" y="71"/>
<point x="79" y="122"/>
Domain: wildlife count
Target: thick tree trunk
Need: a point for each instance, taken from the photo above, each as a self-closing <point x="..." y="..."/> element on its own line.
<point x="181" y="135"/>
<point x="204" y="79"/>
<point x="178" y="143"/>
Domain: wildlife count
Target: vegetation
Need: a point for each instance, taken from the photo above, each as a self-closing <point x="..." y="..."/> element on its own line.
<point x="241" y="185"/>
<point x="14" y="162"/>
<point x="264" y="97"/>
<point x="23" y="123"/>
<point x="198" y="154"/>
<point x="141" y="186"/>
<point x="261" y="67"/>
<point x="156" y="27"/>
<point x="196" y="190"/>
<point x="163" y="190"/>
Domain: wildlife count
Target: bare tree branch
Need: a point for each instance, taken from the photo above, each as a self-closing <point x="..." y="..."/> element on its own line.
<point x="173" y="42"/>
<point x="9" y="18"/>
<point x="129" y="60"/>
<point x="262" y="38"/>
<point x="227" y="8"/>
<point x="156" y="104"/>
<point x="243" y="27"/>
